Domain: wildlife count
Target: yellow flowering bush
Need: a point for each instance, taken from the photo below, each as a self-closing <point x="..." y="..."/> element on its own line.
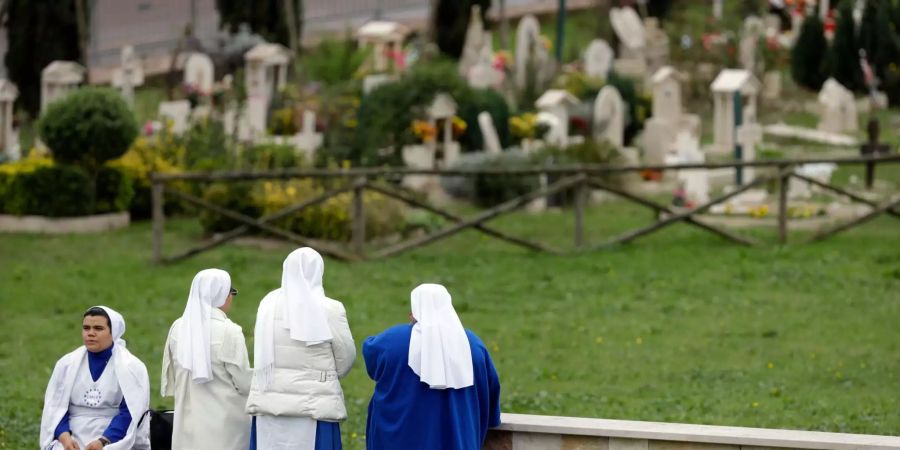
<point x="9" y="171"/>
<point x="329" y="220"/>
<point x="162" y="154"/>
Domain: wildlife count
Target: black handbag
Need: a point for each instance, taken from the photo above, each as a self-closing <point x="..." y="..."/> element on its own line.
<point x="160" y="428"/>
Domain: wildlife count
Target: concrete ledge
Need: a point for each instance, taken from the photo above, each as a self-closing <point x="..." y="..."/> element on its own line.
<point x="64" y="225"/>
<point x="518" y="430"/>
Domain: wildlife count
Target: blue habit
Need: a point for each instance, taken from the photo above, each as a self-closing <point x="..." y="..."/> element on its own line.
<point x="405" y="414"/>
<point x="118" y="426"/>
<point x="328" y="435"/>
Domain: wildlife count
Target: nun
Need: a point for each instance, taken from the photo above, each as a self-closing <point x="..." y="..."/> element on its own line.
<point x="435" y="383"/>
<point x="98" y="392"/>
<point x="206" y="368"/>
<point x="302" y="348"/>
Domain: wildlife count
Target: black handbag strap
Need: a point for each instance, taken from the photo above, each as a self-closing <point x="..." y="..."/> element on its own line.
<point x="143" y="416"/>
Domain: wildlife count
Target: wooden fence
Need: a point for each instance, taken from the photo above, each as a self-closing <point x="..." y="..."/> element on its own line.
<point x="578" y="179"/>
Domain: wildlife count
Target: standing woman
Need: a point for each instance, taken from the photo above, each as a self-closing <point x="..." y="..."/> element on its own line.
<point x="206" y="368"/>
<point x="98" y="392"/>
<point x="302" y="347"/>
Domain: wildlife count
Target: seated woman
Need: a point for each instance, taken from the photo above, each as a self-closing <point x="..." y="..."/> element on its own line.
<point x="97" y="393"/>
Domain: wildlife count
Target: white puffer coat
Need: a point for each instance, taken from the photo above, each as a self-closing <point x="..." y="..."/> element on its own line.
<point x="305" y="380"/>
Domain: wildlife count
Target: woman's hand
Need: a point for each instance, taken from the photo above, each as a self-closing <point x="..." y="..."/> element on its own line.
<point x="95" y="445"/>
<point x="68" y="443"/>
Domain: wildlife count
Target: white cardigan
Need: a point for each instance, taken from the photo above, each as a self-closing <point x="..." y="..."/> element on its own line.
<point x="305" y="380"/>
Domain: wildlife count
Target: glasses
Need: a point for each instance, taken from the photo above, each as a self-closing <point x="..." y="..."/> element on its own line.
<point x="233" y="291"/>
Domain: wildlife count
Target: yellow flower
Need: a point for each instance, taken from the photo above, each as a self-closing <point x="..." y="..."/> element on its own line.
<point x="638" y="340"/>
<point x="756" y="404"/>
<point x="770" y="365"/>
<point x="598" y="339"/>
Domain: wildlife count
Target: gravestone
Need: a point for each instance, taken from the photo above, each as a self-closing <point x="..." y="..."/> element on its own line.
<point x="199" y="72"/>
<point x="838" y="108"/>
<point x="384" y="38"/>
<point x="9" y="139"/>
<point x="308" y="140"/>
<point x="694" y="181"/>
<point x="489" y="133"/>
<point x="629" y="29"/>
<point x="609" y="117"/>
<point x="531" y="57"/>
<point x="729" y="87"/>
<point x="474" y="43"/>
<point x="442" y="110"/>
<point x="556" y="103"/>
<point x="178" y="112"/>
<point x="58" y="79"/>
<point x="749" y="136"/>
<point x="129" y="75"/>
<point x="483" y="74"/>
<point x="598" y="59"/>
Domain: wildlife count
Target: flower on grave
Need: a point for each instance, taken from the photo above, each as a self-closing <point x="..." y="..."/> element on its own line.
<point x="548" y="44"/>
<point x="523" y="126"/>
<point x="424" y="131"/>
<point x="501" y="60"/>
<point x="459" y="126"/>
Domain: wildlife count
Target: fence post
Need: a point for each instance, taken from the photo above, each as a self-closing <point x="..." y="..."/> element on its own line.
<point x="159" y="217"/>
<point x="359" y="217"/>
<point x="783" y="186"/>
<point x="580" y="194"/>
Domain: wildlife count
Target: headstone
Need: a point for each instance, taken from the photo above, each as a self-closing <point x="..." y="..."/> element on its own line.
<point x="58" y="78"/>
<point x="749" y="136"/>
<point x="694" y="181"/>
<point x="483" y="74"/>
<point x="308" y="140"/>
<point x="666" y="94"/>
<point x="474" y="43"/>
<point x="384" y="38"/>
<point x="729" y="84"/>
<point x="129" y="75"/>
<point x="656" y="54"/>
<point x="531" y="55"/>
<point x="556" y="103"/>
<point x="178" y="112"/>
<point x="718" y="8"/>
<point x="489" y="133"/>
<point x="609" y="117"/>
<point x="598" y="58"/>
<point x="838" y="108"/>
<point x="629" y="29"/>
<point x="9" y="140"/>
<point x="199" y="72"/>
<point x="265" y="69"/>
<point x="772" y="85"/>
<point x="255" y="117"/>
<point x="443" y="109"/>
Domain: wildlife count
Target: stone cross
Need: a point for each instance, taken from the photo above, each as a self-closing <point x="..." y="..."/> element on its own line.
<point x="308" y="140"/>
<point x="748" y="137"/>
<point x="489" y="133"/>
<point x="129" y="75"/>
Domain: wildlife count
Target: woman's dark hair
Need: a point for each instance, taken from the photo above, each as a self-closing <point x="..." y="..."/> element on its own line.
<point x="98" y="311"/>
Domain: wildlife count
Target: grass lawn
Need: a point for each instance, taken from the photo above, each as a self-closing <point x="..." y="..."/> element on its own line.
<point x="680" y="326"/>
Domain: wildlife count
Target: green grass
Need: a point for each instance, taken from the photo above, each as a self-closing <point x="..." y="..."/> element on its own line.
<point x="680" y="326"/>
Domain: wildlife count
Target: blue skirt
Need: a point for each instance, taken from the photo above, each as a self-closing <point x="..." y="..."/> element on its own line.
<point x="328" y="435"/>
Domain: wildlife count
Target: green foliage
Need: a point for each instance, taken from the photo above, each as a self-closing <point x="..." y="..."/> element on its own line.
<point x="334" y="61"/>
<point x="809" y="55"/>
<point x="114" y="190"/>
<point x="271" y="156"/>
<point x="328" y="220"/>
<point x="265" y="17"/>
<point x="878" y="35"/>
<point x="639" y="106"/>
<point x="452" y="21"/>
<point x="88" y="127"/>
<point x="845" y="50"/>
<point x="206" y="146"/>
<point x="474" y="103"/>
<point x="38" y="32"/>
<point x="54" y="191"/>
<point x="491" y="190"/>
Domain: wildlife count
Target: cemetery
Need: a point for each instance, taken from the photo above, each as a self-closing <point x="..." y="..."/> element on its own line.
<point x="674" y="223"/>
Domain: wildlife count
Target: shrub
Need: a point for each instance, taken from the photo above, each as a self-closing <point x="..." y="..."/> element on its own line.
<point x="329" y="220"/>
<point x="88" y="127"/>
<point x="54" y="191"/>
<point x="271" y="156"/>
<point x="114" y="190"/>
<point x="334" y="61"/>
<point x="471" y="106"/>
<point x="490" y="190"/>
<point x="206" y="146"/>
<point x="809" y="55"/>
<point x="9" y="172"/>
<point x="146" y="155"/>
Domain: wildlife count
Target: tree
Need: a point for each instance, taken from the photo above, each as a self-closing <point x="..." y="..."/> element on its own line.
<point x="270" y="19"/>
<point x="809" y="55"/>
<point x="39" y="32"/>
<point x="844" y="53"/>
<point x="451" y="20"/>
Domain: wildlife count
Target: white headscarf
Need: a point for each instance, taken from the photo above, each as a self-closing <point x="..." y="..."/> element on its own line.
<point x="209" y="290"/>
<point x="439" y="351"/>
<point x="301" y="299"/>
<point x="130" y="373"/>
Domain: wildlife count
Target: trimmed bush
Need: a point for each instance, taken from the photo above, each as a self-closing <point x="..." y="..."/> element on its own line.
<point x="114" y="190"/>
<point x="490" y="190"/>
<point x="54" y="191"/>
<point x="88" y="127"/>
<point x="809" y="55"/>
